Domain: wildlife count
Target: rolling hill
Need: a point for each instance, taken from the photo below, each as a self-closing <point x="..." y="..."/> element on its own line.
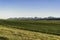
<point x="29" y="29"/>
<point x="18" y="34"/>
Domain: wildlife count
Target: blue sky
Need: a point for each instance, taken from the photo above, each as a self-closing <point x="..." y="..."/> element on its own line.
<point x="29" y="8"/>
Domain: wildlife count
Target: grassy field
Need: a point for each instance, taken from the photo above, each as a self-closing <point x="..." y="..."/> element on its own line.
<point x="44" y="26"/>
<point x="30" y="29"/>
<point x="19" y="34"/>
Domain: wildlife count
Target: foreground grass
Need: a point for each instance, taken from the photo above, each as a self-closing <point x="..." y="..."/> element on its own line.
<point x="16" y="34"/>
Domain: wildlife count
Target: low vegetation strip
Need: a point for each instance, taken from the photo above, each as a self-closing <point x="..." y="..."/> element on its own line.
<point x="44" y="26"/>
<point x="18" y="34"/>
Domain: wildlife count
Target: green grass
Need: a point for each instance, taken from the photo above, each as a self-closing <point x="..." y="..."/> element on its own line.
<point x="44" y="26"/>
<point x="19" y="34"/>
<point x="29" y="29"/>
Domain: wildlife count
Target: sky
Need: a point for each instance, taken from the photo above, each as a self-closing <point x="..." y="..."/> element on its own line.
<point x="29" y="8"/>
